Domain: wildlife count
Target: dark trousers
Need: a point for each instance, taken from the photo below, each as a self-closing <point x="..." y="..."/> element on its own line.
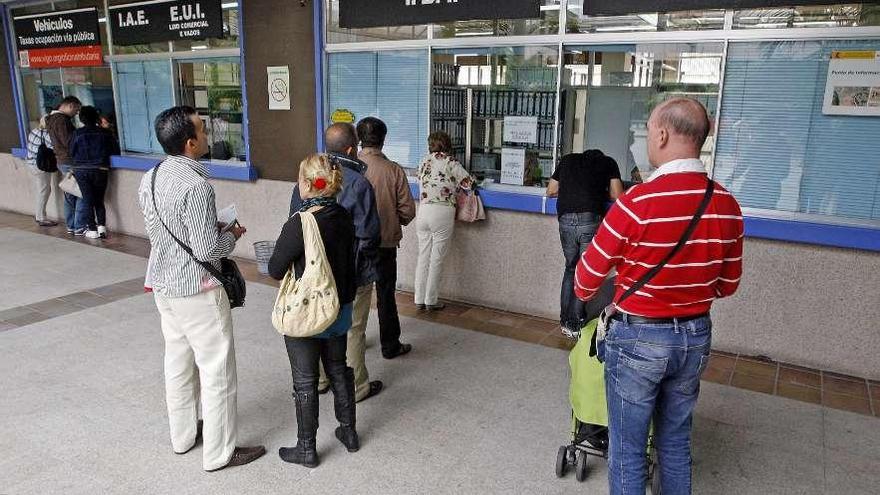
<point x="386" y="302"/>
<point x="304" y="355"/>
<point x="90" y="211"/>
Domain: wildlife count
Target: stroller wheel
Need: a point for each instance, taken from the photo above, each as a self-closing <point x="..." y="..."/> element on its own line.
<point x="561" y="461"/>
<point x="581" y="466"/>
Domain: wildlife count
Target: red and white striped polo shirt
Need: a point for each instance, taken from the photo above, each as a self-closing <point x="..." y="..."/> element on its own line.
<point x="646" y="223"/>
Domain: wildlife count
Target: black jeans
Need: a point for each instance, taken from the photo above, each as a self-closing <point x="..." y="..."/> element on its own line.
<point x="304" y="355"/>
<point x="90" y="211"/>
<point x="386" y="302"/>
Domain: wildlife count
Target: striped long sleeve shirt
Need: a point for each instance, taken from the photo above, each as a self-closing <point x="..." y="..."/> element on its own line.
<point x="645" y="224"/>
<point x="185" y="202"/>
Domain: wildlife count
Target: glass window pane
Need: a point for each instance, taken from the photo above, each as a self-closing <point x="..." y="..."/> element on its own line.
<point x="828" y="16"/>
<point x="43" y="92"/>
<point x="609" y="92"/>
<point x="496" y="83"/>
<point x="145" y="90"/>
<point x="547" y="24"/>
<point x="213" y="88"/>
<point x="390" y="85"/>
<point x="691" y="20"/>
<point x="92" y="85"/>
<point x="336" y="34"/>
<point x="778" y="151"/>
<point x="230" y="33"/>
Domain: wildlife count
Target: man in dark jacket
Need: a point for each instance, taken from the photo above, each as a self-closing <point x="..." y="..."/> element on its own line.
<point x="90" y="150"/>
<point x="358" y="198"/>
<point x="60" y="126"/>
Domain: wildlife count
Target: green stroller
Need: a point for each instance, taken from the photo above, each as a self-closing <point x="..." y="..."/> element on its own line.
<point x="589" y="415"/>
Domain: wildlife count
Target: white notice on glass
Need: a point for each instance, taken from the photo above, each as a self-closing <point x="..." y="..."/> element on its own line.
<point x="228" y="216"/>
<point x="279" y="87"/>
<point x="513" y="165"/>
<point x="853" y="86"/>
<point x="521" y="130"/>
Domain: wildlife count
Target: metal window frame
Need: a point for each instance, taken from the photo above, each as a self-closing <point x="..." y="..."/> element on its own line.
<point x="724" y="36"/>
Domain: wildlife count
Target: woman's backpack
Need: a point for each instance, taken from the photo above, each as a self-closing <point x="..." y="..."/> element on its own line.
<point x="308" y="306"/>
<point x="45" y="158"/>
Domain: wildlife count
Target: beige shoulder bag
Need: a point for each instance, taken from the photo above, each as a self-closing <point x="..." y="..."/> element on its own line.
<point x="308" y="306"/>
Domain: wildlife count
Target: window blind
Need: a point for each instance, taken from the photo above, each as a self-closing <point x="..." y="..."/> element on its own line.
<point x="777" y="151"/>
<point x="390" y="86"/>
<point x="145" y="90"/>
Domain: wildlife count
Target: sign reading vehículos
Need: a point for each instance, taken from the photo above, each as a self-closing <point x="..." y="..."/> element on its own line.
<point x="67" y="38"/>
<point x="377" y="13"/>
<point x="166" y="20"/>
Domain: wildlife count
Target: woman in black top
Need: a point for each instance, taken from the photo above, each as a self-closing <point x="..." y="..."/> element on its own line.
<point x="319" y="183"/>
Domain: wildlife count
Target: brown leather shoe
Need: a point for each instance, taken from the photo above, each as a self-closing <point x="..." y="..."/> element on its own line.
<point x="242" y="456"/>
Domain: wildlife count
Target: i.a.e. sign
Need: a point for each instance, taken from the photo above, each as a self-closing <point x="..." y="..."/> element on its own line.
<point x="166" y="20"/>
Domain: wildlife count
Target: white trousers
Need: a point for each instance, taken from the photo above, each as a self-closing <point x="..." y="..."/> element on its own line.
<point x="42" y="190"/>
<point x="200" y="364"/>
<point x="435" y="224"/>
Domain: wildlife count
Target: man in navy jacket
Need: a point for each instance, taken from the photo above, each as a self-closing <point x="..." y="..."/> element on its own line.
<point x="358" y="198"/>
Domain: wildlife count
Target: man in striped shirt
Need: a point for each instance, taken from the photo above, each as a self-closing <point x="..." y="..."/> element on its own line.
<point x="658" y="341"/>
<point x="196" y="317"/>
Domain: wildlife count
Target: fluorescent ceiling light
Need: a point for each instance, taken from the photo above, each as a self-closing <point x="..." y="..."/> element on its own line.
<point x="545" y="8"/>
<point x="625" y="28"/>
<point x="200" y="47"/>
<point x="477" y="33"/>
<point x="229" y="5"/>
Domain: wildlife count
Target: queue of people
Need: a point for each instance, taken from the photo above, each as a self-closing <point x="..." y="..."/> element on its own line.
<point x="83" y="152"/>
<point x="674" y="242"/>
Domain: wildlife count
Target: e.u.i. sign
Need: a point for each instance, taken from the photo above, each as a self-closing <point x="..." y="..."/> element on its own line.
<point x="166" y="20"/>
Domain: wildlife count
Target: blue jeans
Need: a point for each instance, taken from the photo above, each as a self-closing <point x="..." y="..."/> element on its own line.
<point x="652" y="372"/>
<point x="576" y="231"/>
<point x="90" y="210"/>
<point x="70" y="205"/>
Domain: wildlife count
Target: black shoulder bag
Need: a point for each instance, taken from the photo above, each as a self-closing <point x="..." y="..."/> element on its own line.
<point x="45" y="159"/>
<point x="228" y="275"/>
<point x="608" y="312"/>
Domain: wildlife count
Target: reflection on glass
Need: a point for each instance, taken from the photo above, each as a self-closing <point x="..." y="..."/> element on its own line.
<point x="92" y="85"/>
<point x="145" y="90"/>
<point x="485" y="90"/>
<point x="336" y="34"/>
<point x="693" y="20"/>
<point x="213" y="88"/>
<point x="547" y="24"/>
<point x="828" y="16"/>
<point x="42" y="91"/>
<point x="609" y="92"/>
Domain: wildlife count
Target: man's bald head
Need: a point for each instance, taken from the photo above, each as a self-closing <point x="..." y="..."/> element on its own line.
<point x="685" y="118"/>
<point x="677" y="130"/>
<point x="341" y="138"/>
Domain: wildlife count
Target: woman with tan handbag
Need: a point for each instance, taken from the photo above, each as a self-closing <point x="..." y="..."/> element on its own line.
<point x="319" y="182"/>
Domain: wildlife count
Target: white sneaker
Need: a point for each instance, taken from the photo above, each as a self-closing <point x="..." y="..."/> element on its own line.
<point x="102" y="231"/>
<point x="93" y="234"/>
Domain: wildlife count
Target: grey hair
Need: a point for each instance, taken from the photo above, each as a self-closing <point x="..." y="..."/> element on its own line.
<point x="340" y="137"/>
<point x="685" y="117"/>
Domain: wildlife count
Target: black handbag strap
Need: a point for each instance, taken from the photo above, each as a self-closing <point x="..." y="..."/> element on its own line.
<point x="207" y="266"/>
<point x="688" y="232"/>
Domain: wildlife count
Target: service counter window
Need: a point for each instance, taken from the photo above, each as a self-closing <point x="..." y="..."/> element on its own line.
<point x="213" y="88"/>
<point x="813" y="16"/>
<point x="548" y="23"/>
<point x="609" y="92"/>
<point x="798" y="139"/>
<point x="390" y="85"/>
<point x="337" y="34"/>
<point x="692" y="20"/>
<point x="499" y="106"/>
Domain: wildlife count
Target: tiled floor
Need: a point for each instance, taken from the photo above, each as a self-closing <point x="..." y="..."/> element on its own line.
<point x="847" y="393"/>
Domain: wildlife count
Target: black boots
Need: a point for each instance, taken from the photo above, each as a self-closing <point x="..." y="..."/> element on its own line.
<point x="305" y="453"/>
<point x="344" y="404"/>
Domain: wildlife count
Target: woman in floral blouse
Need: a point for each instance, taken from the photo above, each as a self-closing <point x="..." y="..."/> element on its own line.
<point x="440" y="177"/>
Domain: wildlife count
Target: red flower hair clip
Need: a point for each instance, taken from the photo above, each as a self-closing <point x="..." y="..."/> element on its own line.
<point x="320" y="183"/>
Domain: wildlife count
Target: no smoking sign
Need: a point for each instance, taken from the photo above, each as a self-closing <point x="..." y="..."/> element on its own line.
<point x="279" y="87"/>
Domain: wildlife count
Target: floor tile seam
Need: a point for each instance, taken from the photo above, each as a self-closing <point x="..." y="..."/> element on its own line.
<point x="871" y="398"/>
<point x="79" y="307"/>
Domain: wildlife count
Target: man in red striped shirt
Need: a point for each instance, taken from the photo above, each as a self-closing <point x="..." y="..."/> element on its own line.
<point x="658" y="341"/>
